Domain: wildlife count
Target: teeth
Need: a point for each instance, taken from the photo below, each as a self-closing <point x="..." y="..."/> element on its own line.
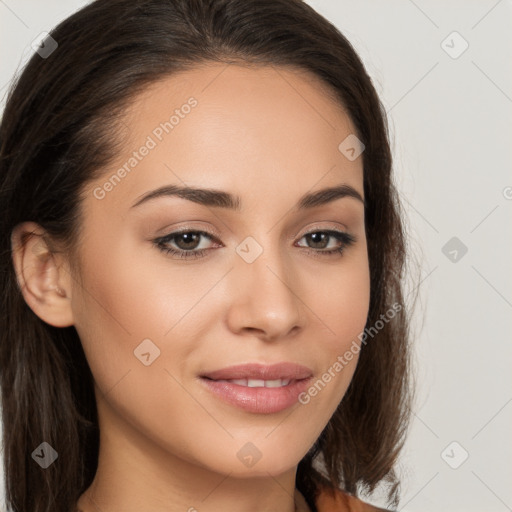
<point x="253" y="383"/>
<point x="257" y="383"/>
<point x="274" y="383"/>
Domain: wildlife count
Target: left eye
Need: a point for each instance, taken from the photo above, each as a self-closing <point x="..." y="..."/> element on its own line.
<point x="320" y="237"/>
<point x="187" y="243"/>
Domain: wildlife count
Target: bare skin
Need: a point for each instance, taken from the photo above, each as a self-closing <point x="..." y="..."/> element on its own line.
<point x="268" y="135"/>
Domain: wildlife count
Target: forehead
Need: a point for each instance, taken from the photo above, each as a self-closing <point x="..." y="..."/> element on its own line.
<point x="234" y="93"/>
<point x="256" y="128"/>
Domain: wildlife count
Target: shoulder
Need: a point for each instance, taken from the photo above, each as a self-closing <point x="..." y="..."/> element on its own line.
<point x="330" y="500"/>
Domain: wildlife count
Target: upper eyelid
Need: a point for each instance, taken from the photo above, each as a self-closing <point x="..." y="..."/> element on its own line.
<point x="178" y="232"/>
<point x="214" y="237"/>
<point x="332" y="225"/>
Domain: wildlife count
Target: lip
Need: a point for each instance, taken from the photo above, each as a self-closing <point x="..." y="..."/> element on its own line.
<point x="260" y="371"/>
<point x="260" y="400"/>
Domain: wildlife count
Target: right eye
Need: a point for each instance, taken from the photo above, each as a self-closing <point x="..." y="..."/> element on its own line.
<point x="185" y="242"/>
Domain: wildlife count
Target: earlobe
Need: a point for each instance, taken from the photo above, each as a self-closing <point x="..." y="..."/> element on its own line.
<point x="42" y="277"/>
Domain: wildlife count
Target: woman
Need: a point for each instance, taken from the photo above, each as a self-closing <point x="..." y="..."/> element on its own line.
<point x="201" y="266"/>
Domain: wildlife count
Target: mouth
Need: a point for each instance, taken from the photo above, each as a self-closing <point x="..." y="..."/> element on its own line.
<point x="258" y="388"/>
<point x="257" y="383"/>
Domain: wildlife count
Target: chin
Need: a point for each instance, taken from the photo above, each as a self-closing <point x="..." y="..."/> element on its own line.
<point x="275" y="460"/>
<point x="271" y="467"/>
<point x="247" y="459"/>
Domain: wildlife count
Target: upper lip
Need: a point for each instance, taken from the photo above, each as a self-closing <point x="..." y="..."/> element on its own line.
<point x="284" y="370"/>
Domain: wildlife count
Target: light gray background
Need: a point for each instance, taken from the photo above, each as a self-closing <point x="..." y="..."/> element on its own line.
<point x="451" y="124"/>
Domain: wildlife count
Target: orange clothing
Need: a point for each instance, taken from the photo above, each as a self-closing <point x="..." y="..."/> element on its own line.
<point x="343" y="502"/>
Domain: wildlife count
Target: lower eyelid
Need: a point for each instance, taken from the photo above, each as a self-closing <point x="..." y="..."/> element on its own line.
<point x="345" y="238"/>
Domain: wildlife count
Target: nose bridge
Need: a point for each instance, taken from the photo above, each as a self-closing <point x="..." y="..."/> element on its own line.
<point x="264" y="295"/>
<point x="263" y="263"/>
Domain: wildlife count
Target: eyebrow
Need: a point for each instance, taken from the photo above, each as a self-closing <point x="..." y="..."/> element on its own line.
<point x="222" y="199"/>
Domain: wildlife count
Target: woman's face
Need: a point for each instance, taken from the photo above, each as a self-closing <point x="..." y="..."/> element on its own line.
<point x="254" y="288"/>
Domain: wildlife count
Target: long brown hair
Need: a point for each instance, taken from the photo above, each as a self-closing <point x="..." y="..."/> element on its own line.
<point x="56" y="134"/>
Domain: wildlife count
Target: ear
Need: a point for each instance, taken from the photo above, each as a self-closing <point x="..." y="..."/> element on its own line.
<point x="43" y="275"/>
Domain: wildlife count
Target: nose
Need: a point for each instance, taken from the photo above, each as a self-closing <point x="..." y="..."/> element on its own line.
<point x="265" y="298"/>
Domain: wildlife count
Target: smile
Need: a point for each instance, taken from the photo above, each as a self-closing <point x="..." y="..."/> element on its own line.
<point x="257" y="387"/>
<point x="257" y="383"/>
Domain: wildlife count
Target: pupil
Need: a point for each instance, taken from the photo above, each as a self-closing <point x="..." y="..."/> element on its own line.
<point x="314" y="236"/>
<point x="190" y="236"/>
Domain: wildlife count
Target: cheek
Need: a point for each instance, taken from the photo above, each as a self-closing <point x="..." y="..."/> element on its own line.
<point x="136" y="296"/>
<point x="342" y="304"/>
<point x="117" y="306"/>
<point x="125" y="310"/>
<point x="130" y="305"/>
<point x="342" y="310"/>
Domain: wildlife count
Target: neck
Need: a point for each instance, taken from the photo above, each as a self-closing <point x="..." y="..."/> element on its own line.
<point x="134" y="473"/>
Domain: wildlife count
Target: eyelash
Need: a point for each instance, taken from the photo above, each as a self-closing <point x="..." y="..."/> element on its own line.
<point x="161" y="243"/>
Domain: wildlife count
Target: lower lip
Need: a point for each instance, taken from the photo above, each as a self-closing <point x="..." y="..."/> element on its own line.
<point x="258" y="400"/>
